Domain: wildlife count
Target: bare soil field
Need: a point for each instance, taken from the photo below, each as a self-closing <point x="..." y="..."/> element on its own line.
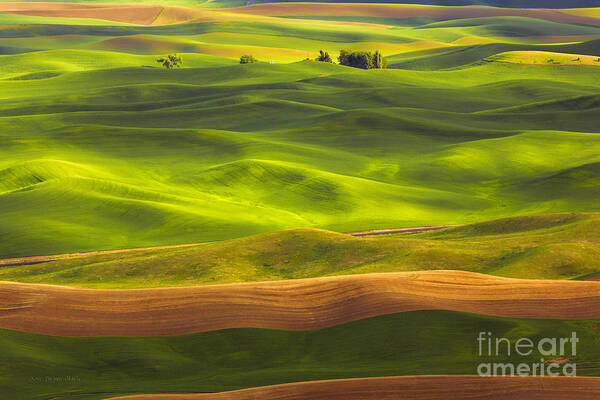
<point x="411" y="388"/>
<point x="293" y="304"/>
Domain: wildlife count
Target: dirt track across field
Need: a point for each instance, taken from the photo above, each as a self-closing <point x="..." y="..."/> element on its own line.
<point x="293" y="304"/>
<point x="399" y="231"/>
<point x="30" y="260"/>
<point x="443" y="387"/>
<point x="9" y="262"/>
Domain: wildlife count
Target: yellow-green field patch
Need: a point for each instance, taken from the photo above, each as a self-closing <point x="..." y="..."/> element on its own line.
<point x="546" y="58"/>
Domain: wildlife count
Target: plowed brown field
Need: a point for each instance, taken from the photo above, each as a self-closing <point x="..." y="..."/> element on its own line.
<point x="293" y="304"/>
<point x="412" y="388"/>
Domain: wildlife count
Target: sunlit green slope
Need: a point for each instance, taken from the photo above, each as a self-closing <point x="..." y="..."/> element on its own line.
<point x="140" y="156"/>
<point x="554" y="246"/>
<point x="101" y="148"/>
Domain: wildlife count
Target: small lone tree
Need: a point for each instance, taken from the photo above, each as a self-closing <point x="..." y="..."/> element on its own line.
<point x="248" y="59"/>
<point x="171" y="61"/>
<point x="324" y="57"/>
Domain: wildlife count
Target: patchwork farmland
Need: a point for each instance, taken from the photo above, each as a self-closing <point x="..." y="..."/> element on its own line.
<point x="193" y="232"/>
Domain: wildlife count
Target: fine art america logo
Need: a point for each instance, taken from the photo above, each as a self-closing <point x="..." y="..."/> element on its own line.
<point x="555" y="352"/>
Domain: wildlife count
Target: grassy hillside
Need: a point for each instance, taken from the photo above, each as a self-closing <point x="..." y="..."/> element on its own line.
<point x="424" y="342"/>
<point x="485" y="115"/>
<point x="561" y="246"/>
<point x="158" y="157"/>
<point x="103" y="149"/>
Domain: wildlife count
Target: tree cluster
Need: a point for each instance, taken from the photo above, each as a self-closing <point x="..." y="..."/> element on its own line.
<point x="324" y="57"/>
<point x="362" y="59"/>
<point x="171" y="61"/>
<point x="248" y="59"/>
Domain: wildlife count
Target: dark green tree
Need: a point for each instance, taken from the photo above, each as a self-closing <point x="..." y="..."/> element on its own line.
<point x="379" y="61"/>
<point x="356" y="59"/>
<point x="248" y="59"/>
<point x="343" y="57"/>
<point x="324" y="57"/>
<point x="171" y="61"/>
<point x="362" y="59"/>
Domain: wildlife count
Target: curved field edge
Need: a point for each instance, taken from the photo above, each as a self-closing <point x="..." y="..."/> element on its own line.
<point x="294" y="304"/>
<point x="545" y="246"/>
<point x="409" y="388"/>
<point x="411" y="343"/>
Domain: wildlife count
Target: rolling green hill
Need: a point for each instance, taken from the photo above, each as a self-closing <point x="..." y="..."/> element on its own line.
<point x="555" y="246"/>
<point x="413" y="343"/>
<point x="135" y="156"/>
<point x="462" y="56"/>
<point x="489" y="121"/>
<point x="102" y="149"/>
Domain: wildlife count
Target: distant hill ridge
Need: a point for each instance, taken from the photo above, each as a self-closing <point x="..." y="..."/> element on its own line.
<point x="512" y="3"/>
<point x="492" y="3"/>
